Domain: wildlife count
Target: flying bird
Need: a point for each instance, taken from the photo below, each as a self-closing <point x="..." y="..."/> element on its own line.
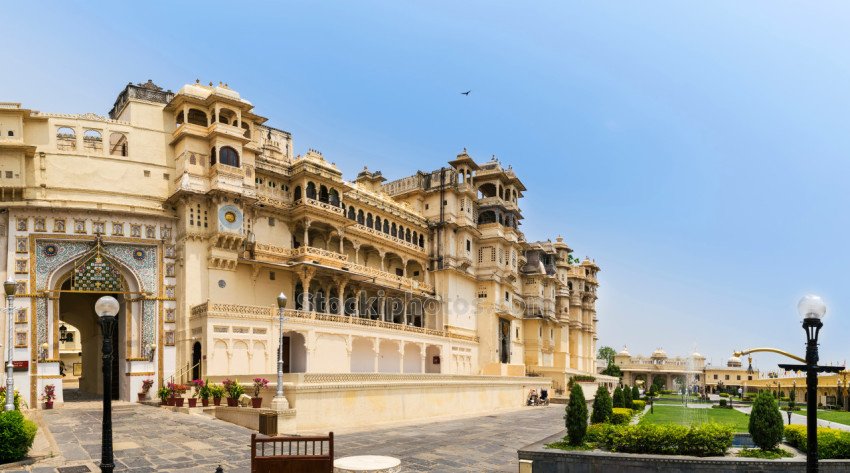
<point x="465" y="93"/>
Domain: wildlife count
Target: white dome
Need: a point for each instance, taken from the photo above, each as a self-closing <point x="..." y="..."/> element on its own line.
<point x="624" y="352"/>
<point x="659" y="353"/>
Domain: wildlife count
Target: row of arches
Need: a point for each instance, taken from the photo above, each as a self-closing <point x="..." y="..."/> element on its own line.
<point x="492" y="190"/>
<point x="225" y="155"/>
<point x="199" y="117"/>
<point x="66" y="139"/>
<point x="506" y="219"/>
<point x="385" y="226"/>
<point x="321" y="193"/>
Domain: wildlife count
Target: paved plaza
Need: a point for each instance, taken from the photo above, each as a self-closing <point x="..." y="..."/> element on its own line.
<point x="149" y="439"/>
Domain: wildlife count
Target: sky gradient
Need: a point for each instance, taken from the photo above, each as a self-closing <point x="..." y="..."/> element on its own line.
<point x="697" y="151"/>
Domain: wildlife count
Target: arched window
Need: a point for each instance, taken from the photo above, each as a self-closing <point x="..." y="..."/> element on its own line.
<point x="407" y="235"/>
<point x="247" y="133"/>
<point x="487" y="217"/>
<point x="296" y="194"/>
<point x="369" y="221"/>
<point x="486" y="190"/>
<point x="311" y="190"/>
<point x="360" y="217"/>
<point x="227" y="117"/>
<point x="421" y="241"/>
<point x="351" y="213"/>
<point x="400" y="232"/>
<point x="323" y="194"/>
<point x="387" y="227"/>
<point x="213" y="155"/>
<point x="393" y="230"/>
<point x="118" y="144"/>
<point x="378" y="223"/>
<point x="415" y="238"/>
<point x="197" y="117"/>
<point x="92" y="140"/>
<point x="179" y="119"/>
<point x="228" y="156"/>
<point x="66" y="138"/>
<point x="333" y="198"/>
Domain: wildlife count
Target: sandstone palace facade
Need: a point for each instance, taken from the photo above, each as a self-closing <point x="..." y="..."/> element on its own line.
<point x="195" y="215"/>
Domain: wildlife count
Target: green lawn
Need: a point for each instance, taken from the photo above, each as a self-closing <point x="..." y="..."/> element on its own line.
<point x="687" y="416"/>
<point x="840" y="417"/>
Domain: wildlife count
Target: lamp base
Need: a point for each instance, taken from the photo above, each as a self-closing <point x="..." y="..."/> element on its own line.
<point x="280" y="403"/>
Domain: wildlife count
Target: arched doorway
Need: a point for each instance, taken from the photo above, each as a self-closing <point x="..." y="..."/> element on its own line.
<point x="77" y="309"/>
<point x="196" y="360"/>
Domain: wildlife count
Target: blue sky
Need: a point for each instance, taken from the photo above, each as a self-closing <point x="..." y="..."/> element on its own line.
<point x="697" y="151"/>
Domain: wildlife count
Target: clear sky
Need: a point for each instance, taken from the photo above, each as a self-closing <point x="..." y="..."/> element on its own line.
<point x="697" y="151"/>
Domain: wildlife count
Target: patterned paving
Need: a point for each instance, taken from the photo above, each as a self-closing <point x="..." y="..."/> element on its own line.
<point x="149" y="439"/>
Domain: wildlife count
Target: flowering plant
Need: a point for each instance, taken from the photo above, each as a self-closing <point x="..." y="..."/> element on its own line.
<point x="259" y="384"/>
<point x="233" y="388"/>
<point x="175" y="389"/>
<point x="146" y="385"/>
<point x="49" y="393"/>
<point x="199" y="387"/>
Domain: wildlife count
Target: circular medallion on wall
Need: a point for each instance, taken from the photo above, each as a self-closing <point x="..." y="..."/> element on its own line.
<point x="230" y="217"/>
<point x="139" y="254"/>
<point x="221" y="283"/>
<point x="50" y="250"/>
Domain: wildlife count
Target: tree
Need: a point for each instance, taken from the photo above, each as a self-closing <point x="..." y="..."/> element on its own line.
<point x="576" y="416"/>
<point x="766" y="422"/>
<point x="627" y="397"/>
<point x="653" y="390"/>
<point x="602" y="406"/>
<point x="613" y="370"/>
<point x="635" y="393"/>
<point x="658" y="382"/>
<point x="607" y="354"/>
<point x="619" y="400"/>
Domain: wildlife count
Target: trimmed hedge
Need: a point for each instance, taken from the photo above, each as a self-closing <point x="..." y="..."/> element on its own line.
<point x="638" y="405"/>
<point x="702" y="441"/>
<point x="621" y="415"/>
<point x="723" y="394"/>
<point x="576" y="416"/>
<point x="766" y="422"/>
<point x="832" y="443"/>
<point x="16" y="436"/>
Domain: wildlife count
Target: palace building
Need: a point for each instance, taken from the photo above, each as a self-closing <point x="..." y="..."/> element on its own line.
<point x="195" y="214"/>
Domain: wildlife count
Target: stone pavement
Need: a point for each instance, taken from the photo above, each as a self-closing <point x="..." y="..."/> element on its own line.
<point x="148" y="439"/>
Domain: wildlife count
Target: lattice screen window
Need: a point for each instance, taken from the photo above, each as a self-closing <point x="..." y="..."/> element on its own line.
<point x="492" y="254"/>
<point x="482" y="292"/>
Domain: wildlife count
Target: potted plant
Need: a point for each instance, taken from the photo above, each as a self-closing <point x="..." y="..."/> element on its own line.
<point x="216" y="391"/>
<point x="259" y="384"/>
<point x="197" y="384"/>
<point x="163" y="394"/>
<point x="234" y="390"/>
<point x="204" y="391"/>
<point x="146" y="386"/>
<point x="49" y="395"/>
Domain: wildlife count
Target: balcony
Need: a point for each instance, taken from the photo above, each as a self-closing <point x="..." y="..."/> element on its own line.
<point x="269" y="313"/>
<point x="227" y="178"/>
<point x="322" y="206"/>
<point x="276" y="254"/>
<point x="384" y="236"/>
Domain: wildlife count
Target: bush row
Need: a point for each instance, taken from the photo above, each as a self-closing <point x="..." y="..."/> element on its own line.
<point x="704" y="440"/>
<point x="638" y="405"/>
<point x="832" y="443"/>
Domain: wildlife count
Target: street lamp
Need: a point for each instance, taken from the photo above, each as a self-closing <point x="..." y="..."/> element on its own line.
<point x="812" y="310"/>
<point x="279" y="402"/>
<point x="107" y="309"/>
<point x="10" y="286"/>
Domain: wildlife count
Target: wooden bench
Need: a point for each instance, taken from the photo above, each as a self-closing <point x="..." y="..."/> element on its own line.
<point x="292" y="454"/>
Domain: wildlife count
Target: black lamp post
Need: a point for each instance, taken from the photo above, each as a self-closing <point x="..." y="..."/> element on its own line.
<point x="812" y="310"/>
<point x="107" y="308"/>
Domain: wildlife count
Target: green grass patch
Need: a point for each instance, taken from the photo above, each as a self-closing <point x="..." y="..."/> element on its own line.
<point x="839" y="417"/>
<point x="678" y="415"/>
<point x="765" y="454"/>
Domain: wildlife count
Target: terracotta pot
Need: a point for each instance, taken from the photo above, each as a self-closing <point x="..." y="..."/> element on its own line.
<point x="178" y="401"/>
<point x="48" y="404"/>
<point x="216" y="401"/>
<point x="143" y="397"/>
<point x="205" y="402"/>
<point x="232" y="402"/>
<point x="256" y="402"/>
<point x="193" y="402"/>
<point x="170" y="401"/>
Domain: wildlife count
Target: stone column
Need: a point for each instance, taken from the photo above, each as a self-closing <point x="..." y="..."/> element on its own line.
<point x="356" y="252"/>
<point x="383" y="255"/>
<point x="340" y="287"/>
<point x="401" y="357"/>
<point x="423" y="353"/>
<point x="310" y="349"/>
<point x="381" y="304"/>
<point x="307" y="223"/>
<point x="306" y="276"/>
<point x="376" y="348"/>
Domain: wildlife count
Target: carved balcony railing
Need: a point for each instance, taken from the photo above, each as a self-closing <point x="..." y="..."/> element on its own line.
<point x="319" y="205"/>
<point x="276" y="254"/>
<point x="269" y="313"/>
<point x="382" y="235"/>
